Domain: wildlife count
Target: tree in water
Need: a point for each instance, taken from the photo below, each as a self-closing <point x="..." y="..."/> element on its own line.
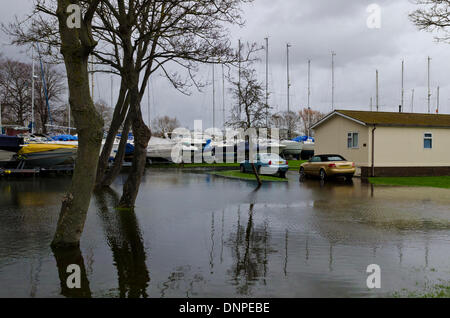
<point x="250" y="110"/>
<point x="76" y="46"/>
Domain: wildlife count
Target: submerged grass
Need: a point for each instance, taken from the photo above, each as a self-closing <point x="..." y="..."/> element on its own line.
<point x="435" y="182"/>
<point x="436" y="291"/>
<point x="234" y="174"/>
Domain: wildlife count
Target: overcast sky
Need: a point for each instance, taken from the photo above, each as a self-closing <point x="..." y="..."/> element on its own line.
<point x="314" y="28"/>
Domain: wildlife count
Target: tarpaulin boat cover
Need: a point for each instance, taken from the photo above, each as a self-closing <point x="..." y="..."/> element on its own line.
<point x="33" y="148"/>
<point x="65" y="138"/>
<point x="303" y="139"/>
<point x="129" y="149"/>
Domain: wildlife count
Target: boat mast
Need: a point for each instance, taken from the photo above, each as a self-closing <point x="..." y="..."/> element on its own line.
<point x="223" y="95"/>
<point x="288" y="77"/>
<point x="92" y="77"/>
<point x="148" y="103"/>
<point x="332" y="79"/>
<point x="239" y="81"/>
<point x="412" y="100"/>
<point x="377" y="96"/>
<point x="309" y="97"/>
<point x="214" y="96"/>
<point x="403" y="87"/>
<point x="32" y="89"/>
<point x="437" y="97"/>
<point x="429" y="89"/>
<point x="267" y="81"/>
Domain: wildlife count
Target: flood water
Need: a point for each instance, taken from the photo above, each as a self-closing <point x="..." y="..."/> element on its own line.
<point x="197" y="235"/>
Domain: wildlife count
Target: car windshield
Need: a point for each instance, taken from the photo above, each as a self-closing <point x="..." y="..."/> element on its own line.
<point x="333" y="158"/>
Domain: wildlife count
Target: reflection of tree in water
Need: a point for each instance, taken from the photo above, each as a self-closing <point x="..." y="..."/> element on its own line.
<point x="124" y="237"/>
<point x="183" y="280"/>
<point x="250" y="247"/>
<point x="65" y="257"/>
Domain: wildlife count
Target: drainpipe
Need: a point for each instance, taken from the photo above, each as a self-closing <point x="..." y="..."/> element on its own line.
<point x="373" y="149"/>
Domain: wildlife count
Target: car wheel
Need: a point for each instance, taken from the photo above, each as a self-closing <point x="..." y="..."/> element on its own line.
<point x="322" y="175"/>
<point x="349" y="178"/>
<point x="282" y="174"/>
<point x="242" y="168"/>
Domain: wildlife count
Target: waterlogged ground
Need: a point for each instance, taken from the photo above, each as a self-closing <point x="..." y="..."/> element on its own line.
<point x="198" y="235"/>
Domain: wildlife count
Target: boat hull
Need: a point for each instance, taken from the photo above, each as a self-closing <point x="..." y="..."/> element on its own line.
<point x="51" y="158"/>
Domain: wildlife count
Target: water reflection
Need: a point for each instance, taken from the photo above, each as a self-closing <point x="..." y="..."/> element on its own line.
<point x="215" y="237"/>
<point x="64" y="258"/>
<point x="250" y="246"/>
<point x="125" y="240"/>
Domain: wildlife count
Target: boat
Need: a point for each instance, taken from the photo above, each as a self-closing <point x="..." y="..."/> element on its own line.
<point x="9" y="145"/>
<point x="307" y="146"/>
<point x="165" y="149"/>
<point x="46" y="155"/>
<point x="293" y="148"/>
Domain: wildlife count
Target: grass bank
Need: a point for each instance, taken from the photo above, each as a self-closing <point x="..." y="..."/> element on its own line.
<point x="294" y="165"/>
<point x="435" y="182"/>
<point x="235" y="174"/>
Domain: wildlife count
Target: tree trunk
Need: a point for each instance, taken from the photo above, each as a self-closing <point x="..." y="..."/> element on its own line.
<point x="112" y="174"/>
<point x="118" y="117"/>
<point x="76" y="47"/>
<point x="142" y="136"/>
<point x="258" y="179"/>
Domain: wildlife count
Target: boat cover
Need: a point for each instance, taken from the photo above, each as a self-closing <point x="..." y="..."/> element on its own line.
<point x="33" y="148"/>
<point x="65" y="138"/>
<point x="303" y="139"/>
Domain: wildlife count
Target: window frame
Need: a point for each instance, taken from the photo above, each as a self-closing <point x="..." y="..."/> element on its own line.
<point x="426" y="138"/>
<point x="351" y="136"/>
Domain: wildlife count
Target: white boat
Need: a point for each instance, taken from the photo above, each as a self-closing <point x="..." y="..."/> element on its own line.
<point x="169" y="150"/>
<point x="293" y="148"/>
<point x="270" y="146"/>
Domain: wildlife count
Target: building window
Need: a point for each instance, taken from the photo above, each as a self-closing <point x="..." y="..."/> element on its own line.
<point x="353" y="140"/>
<point x="428" y="141"/>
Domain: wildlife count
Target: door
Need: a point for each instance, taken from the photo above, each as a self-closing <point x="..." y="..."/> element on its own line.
<point x="315" y="165"/>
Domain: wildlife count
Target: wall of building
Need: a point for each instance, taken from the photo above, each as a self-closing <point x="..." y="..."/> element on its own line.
<point x="404" y="147"/>
<point x="331" y="138"/>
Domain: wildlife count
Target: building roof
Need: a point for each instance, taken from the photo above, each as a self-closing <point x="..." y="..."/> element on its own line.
<point x="390" y="118"/>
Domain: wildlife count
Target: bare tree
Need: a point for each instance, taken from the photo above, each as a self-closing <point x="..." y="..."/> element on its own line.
<point x="15" y="85"/>
<point x="137" y="39"/>
<point x="149" y="36"/>
<point x="308" y="117"/>
<point x="433" y="15"/>
<point x="249" y="109"/>
<point x="55" y="88"/>
<point x="76" y="46"/>
<point x="105" y="111"/>
<point x="164" y="125"/>
<point x="287" y="122"/>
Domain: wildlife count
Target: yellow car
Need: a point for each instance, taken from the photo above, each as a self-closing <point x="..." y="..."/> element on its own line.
<point x="324" y="166"/>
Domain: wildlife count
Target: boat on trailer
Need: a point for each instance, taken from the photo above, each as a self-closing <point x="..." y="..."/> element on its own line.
<point x="46" y="155"/>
